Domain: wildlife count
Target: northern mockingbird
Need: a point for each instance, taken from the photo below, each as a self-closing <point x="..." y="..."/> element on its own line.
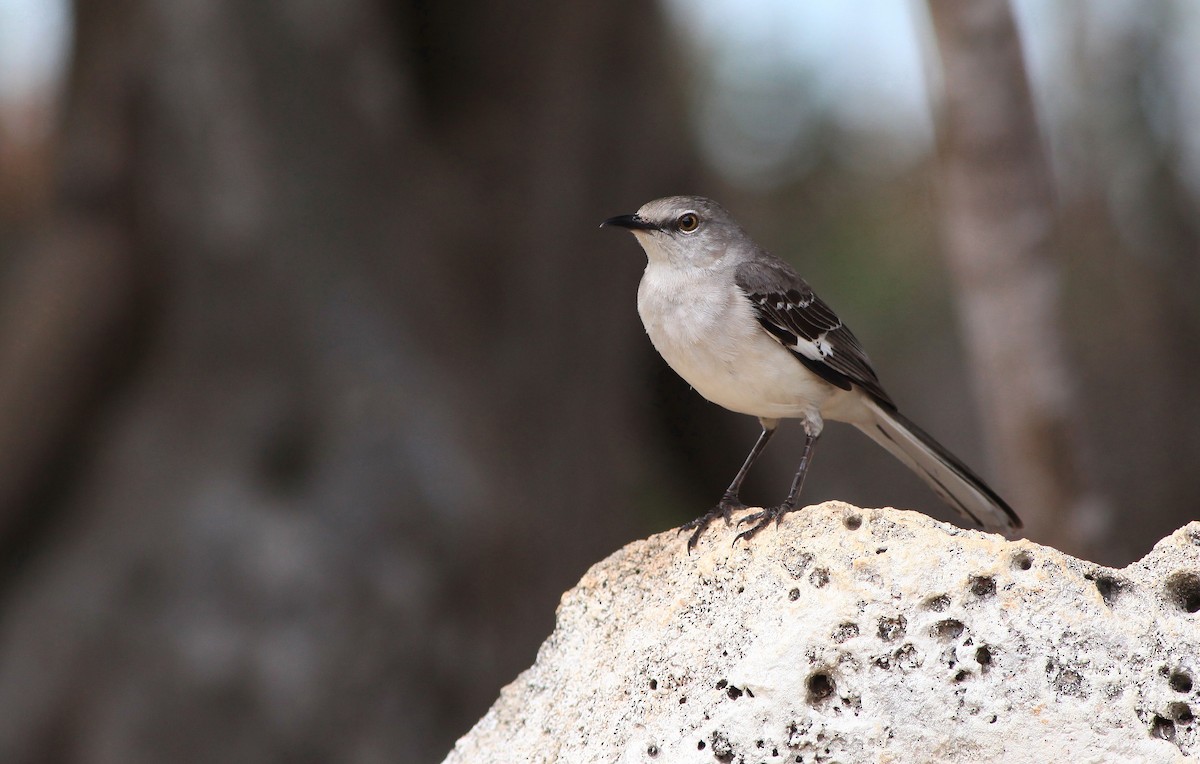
<point x="743" y="329"/>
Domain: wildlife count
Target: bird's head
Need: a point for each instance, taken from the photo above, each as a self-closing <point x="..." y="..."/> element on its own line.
<point x="684" y="231"/>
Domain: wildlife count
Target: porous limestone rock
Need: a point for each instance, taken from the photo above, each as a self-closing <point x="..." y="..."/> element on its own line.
<point x="861" y="635"/>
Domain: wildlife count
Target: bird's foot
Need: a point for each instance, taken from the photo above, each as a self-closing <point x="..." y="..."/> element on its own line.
<point x="725" y="507"/>
<point x="760" y="520"/>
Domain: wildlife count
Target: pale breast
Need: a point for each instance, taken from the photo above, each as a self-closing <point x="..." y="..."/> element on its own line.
<point x="706" y="331"/>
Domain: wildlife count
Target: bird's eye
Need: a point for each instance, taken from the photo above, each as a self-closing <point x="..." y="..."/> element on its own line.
<point x="688" y="222"/>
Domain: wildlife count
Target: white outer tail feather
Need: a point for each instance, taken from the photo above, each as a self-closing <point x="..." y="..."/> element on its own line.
<point x="952" y="480"/>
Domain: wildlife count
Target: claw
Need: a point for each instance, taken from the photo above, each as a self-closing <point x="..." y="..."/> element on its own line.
<point x="724" y="509"/>
<point x="761" y="520"/>
<point x="752" y="518"/>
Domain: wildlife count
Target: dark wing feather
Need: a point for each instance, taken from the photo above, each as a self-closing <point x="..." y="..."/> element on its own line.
<point x="791" y="312"/>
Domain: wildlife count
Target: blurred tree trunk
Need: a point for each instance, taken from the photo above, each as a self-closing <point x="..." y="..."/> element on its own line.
<point x="1133" y="219"/>
<point x="999" y="224"/>
<point x="383" y="408"/>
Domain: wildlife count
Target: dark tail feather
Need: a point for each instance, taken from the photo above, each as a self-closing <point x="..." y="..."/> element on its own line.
<point x="952" y="480"/>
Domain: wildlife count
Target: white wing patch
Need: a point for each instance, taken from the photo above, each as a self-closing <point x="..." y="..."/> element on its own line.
<point x="817" y="350"/>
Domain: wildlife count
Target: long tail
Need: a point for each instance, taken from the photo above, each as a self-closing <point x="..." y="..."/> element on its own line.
<point x="954" y="481"/>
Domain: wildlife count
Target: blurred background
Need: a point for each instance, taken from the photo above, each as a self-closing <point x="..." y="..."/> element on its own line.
<point x="319" y="383"/>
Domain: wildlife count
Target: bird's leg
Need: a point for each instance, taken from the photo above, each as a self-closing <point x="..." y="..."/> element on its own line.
<point x="729" y="501"/>
<point x="762" y="519"/>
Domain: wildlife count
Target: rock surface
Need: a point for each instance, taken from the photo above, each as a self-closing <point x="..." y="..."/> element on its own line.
<point x="850" y="635"/>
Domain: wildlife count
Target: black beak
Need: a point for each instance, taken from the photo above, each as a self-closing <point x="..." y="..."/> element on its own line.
<point x="632" y="222"/>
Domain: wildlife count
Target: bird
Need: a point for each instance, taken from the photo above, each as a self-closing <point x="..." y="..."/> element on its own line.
<point x="742" y="328"/>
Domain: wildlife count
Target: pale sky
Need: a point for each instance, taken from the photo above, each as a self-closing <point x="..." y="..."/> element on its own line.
<point x="33" y="37"/>
<point x="857" y="63"/>
<point x="864" y="64"/>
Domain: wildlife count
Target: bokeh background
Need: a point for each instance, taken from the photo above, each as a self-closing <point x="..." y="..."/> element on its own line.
<point x="319" y="384"/>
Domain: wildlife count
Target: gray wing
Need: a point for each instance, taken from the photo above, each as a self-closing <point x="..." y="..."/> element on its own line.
<point x="791" y="312"/>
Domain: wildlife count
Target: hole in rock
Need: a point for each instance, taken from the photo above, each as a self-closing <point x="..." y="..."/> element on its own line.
<point x="1069" y="683"/>
<point x="983" y="657"/>
<point x="820" y="686"/>
<point x="819" y="577"/>
<point x="653" y="684"/>
<point x="794" y="595"/>
<point x="961" y="676"/>
<point x="652" y="750"/>
<point x="1163" y="728"/>
<point x="852" y="522"/>
<point x="906" y="656"/>
<point x="983" y="586"/>
<point x="891" y="629"/>
<point x="947" y="629"/>
<point x="1180" y="681"/>
<point x="1181" y="713"/>
<point x="1183" y="590"/>
<point x="938" y="604"/>
<point x="734" y="693"/>
<point x="1022" y="561"/>
<point x="1108" y="586"/>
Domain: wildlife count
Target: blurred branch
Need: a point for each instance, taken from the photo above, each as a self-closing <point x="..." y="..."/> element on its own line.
<point x="66" y="306"/>
<point x="60" y="312"/>
<point x="998" y="220"/>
